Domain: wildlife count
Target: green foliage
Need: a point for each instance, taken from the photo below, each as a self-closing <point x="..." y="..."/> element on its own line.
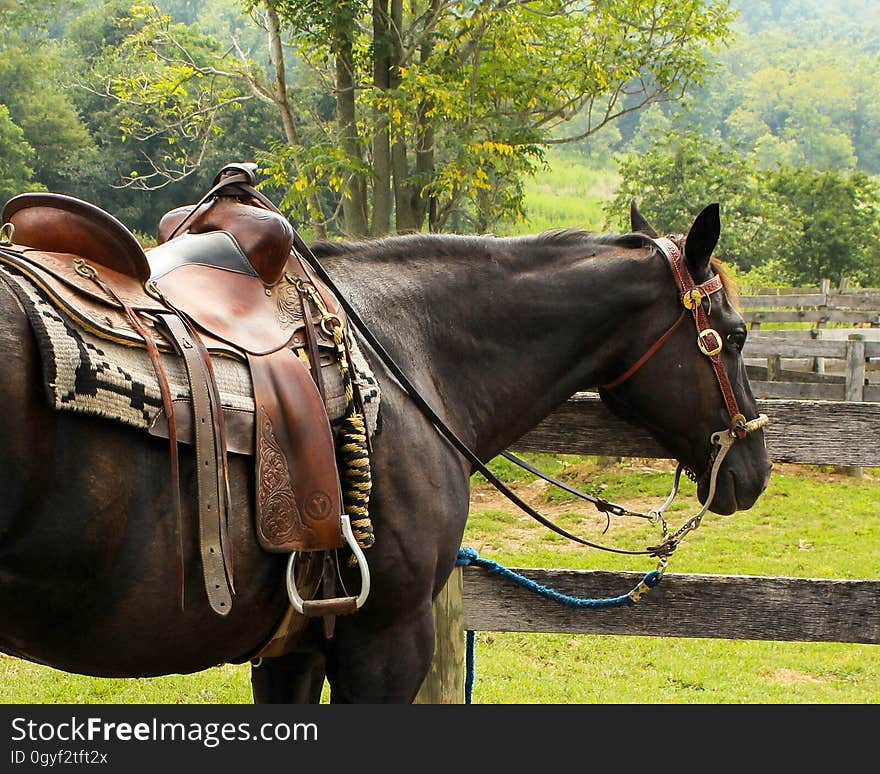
<point x="832" y="225"/>
<point x="16" y="173"/>
<point x="679" y="175"/>
<point x="797" y="86"/>
<point x="476" y="91"/>
<point x="31" y="82"/>
<point x="808" y="224"/>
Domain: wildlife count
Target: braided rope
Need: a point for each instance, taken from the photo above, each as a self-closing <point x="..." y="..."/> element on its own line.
<point x="468" y="556"/>
<point x="352" y="449"/>
<point x="354" y="470"/>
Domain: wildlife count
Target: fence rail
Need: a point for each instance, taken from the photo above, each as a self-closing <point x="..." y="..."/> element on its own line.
<point x="818" y="305"/>
<point x="684" y="605"/>
<point x="816" y="349"/>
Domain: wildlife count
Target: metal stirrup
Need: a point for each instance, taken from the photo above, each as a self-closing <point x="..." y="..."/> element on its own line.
<point x="342" y="604"/>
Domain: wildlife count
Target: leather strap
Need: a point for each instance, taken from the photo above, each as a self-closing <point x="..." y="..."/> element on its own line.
<point x="299" y="497"/>
<point x="211" y="497"/>
<point x="705" y="333"/>
<point x="648" y="355"/>
<point x="311" y="342"/>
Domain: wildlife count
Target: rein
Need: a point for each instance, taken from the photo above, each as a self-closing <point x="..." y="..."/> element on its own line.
<point x="710" y="344"/>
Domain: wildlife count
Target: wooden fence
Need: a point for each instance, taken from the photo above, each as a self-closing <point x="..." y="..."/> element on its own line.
<point x="820" y="305"/>
<point x="822" y="363"/>
<point x="683" y="605"/>
<point x="847" y="379"/>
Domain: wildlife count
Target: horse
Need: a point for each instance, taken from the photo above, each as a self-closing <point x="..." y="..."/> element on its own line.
<point x="494" y="333"/>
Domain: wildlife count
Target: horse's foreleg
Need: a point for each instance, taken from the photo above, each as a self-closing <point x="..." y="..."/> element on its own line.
<point x="380" y="667"/>
<point x="297" y="678"/>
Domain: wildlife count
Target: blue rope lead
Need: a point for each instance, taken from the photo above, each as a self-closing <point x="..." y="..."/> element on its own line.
<point x="468" y="556"/>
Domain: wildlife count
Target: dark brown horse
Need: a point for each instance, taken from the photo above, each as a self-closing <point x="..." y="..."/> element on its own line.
<point x="495" y="333"/>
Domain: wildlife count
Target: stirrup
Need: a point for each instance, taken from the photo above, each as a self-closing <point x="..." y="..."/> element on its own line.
<point x="338" y="605"/>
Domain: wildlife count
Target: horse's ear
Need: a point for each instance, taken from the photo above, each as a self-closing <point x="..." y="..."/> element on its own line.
<point x="702" y="239"/>
<point x="639" y="224"/>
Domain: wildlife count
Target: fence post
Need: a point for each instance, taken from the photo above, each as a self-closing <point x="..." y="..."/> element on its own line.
<point x="444" y="683"/>
<point x="854" y="389"/>
<point x="819" y="362"/>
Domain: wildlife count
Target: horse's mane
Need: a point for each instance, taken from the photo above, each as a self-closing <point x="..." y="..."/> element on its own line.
<point x="406" y="246"/>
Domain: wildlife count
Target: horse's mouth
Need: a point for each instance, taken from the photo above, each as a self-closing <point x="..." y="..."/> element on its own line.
<point x="732" y="492"/>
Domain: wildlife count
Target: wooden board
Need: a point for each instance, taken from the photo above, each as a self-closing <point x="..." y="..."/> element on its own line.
<point x="794" y="390"/>
<point x="808" y="432"/>
<point x="683" y="605"/>
<point x="811" y="315"/>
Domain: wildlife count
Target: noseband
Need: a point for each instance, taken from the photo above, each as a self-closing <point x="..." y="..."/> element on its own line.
<point x="697" y="300"/>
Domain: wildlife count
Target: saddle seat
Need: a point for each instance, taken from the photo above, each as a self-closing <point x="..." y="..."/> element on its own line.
<point x="223" y="280"/>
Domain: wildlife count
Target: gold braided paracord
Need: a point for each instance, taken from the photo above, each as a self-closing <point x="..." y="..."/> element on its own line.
<point x="352" y="455"/>
<point x="354" y="469"/>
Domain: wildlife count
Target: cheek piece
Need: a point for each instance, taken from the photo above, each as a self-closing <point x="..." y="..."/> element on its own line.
<point x="710" y="344"/>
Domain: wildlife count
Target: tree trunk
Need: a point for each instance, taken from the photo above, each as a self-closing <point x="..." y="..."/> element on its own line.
<point x="426" y="205"/>
<point x="276" y="56"/>
<point x="405" y="216"/>
<point x="383" y="47"/>
<point x="354" y="197"/>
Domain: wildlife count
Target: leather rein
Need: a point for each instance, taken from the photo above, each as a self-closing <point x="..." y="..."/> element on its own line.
<point x="710" y="344"/>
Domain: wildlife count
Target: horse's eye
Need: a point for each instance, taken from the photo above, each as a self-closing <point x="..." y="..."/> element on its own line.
<point x="737" y="339"/>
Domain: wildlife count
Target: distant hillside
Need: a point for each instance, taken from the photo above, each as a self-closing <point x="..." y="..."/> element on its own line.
<point x="570" y="194"/>
<point x="797" y="86"/>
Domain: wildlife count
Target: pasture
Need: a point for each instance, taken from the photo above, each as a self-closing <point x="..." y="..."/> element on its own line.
<point x="811" y="522"/>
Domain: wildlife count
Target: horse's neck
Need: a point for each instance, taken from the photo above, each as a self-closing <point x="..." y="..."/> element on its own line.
<point x="495" y="342"/>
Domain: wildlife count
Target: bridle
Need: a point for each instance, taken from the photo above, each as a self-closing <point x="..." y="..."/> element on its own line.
<point x="696" y="301"/>
<point x="710" y="344"/>
<point x="709" y="341"/>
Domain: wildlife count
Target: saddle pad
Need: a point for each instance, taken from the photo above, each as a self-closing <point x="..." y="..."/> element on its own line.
<point x="91" y="375"/>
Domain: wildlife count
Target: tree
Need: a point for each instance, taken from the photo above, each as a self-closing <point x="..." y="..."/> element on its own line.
<point x="31" y="68"/>
<point x="829" y="225"/>
<point x="682" y="172"/>
<point x="16" y="172"/>
<point x="439" y="106"/>
<point x="810" y="224"/>
<point x="797" y="85"/>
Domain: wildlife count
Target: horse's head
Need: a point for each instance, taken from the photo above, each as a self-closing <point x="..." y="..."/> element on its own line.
<point x="682" y="375"/>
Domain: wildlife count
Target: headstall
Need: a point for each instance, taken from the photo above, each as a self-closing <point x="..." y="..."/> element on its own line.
<point x="696" y="300"/>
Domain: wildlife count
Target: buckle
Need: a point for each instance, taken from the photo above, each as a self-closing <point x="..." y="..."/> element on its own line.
<point x="691" y="299"/>
<point x="709" y="341"/>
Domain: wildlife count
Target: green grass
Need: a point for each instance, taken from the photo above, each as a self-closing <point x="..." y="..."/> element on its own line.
<point x="811" y="522"/>
<point x="568" y="195"/>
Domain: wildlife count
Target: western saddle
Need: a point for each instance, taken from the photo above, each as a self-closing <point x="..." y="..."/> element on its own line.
<point x="223" y="280"/>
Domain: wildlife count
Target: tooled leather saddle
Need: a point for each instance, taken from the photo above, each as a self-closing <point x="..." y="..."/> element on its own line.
<point x="223" y="280"/>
